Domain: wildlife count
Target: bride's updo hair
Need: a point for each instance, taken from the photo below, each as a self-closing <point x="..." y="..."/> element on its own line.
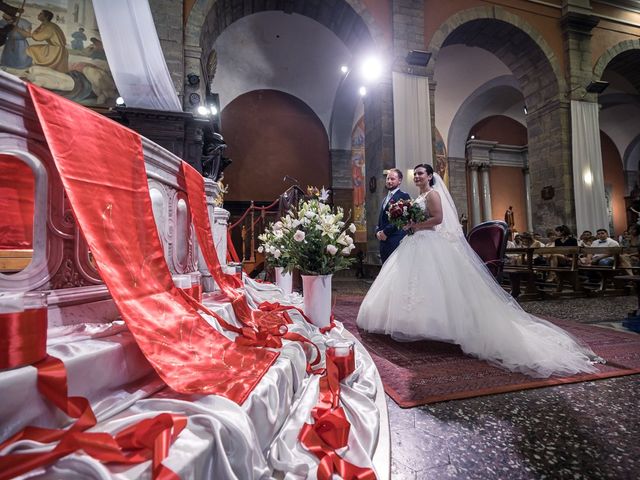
<point x="429" y="170"/>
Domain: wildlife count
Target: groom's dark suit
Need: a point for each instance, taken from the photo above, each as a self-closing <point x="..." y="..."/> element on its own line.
<point x="393" y="234"/>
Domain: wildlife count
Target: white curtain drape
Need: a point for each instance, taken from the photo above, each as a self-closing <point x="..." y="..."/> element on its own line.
<point x="412" y="125"/>
<point x="588" y="178"/>
<point x="135" y="57"/>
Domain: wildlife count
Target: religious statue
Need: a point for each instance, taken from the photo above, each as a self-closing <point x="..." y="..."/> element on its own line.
<point x="508" y="218"/>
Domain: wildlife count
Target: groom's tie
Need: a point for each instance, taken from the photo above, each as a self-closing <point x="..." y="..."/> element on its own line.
<point x="386" y="200"/>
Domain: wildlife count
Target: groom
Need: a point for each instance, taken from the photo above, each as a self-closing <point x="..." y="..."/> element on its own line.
<point x="388" y="235"/>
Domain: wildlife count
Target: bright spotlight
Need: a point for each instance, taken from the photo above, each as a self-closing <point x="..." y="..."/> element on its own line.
<point x="119" y="101"/>
<point x="362" y="91"/>
<point x="214" y="110"/>
<point x="344" y="69"/>
<point x="588" y="177"/>
<point x="472" y="137"/>
<point x="371" y="69"/>
<point x="204" y="111"/>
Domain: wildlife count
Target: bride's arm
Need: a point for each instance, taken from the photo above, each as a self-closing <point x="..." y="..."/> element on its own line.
<point x="434" y="206"/>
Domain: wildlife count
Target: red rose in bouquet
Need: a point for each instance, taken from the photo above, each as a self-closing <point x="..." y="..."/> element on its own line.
<point x="403" y="212"/>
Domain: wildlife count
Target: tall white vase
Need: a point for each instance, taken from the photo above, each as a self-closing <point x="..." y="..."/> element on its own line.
<point x="317" y="298"/>
<point x="284" y="280"/>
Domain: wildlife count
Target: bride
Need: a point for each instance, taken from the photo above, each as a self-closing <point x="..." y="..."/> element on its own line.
<point x="435" y="287"/>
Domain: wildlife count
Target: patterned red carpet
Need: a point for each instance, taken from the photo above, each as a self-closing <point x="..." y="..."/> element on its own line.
<point x="424" y="372"/>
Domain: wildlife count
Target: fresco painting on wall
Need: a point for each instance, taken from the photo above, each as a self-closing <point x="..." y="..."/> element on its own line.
<point x="441" y="163"/>
<point x="358" y="176"/>
<point x="56" y="44"/>
<point x="608" y="199"/>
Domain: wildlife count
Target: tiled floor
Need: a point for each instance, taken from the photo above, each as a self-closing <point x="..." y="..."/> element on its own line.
<point x="580" y="431"/>
<point x="588" y="430"/>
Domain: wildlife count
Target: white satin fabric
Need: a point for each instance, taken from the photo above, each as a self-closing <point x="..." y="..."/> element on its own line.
<point x="257" y="440"/>
<point x="434" y="286"/>
<point x="135" y="55"/>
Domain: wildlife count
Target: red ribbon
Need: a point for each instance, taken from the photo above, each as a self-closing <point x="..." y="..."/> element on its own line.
<point x="149" y="438"/>
<point x="23" y="338"/>
<point x="346" y="365"/>
<point x="330" y="431"/>
<point x="101" y="166"/>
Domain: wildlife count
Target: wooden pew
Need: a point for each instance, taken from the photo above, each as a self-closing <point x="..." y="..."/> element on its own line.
<point x="12" y="261"/>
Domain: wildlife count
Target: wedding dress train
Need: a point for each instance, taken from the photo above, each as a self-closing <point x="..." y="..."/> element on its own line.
<point x="435" y="287"/>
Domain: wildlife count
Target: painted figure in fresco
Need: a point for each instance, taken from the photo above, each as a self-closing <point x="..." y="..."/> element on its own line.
<point x="14" y="54"/>
<point x="96" y="49"/>
<point x="78" y="39"/>
<point x="53" y="53"/>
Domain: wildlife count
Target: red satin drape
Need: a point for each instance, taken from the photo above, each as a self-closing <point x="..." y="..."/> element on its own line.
<point x="102" y="169"/>
<point x="17" y="196"/>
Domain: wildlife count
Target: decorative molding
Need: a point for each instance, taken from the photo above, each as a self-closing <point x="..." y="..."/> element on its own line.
<point x="484" y="152"/>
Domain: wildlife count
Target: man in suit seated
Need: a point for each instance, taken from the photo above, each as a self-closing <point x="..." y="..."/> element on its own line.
<point x="388" y="235"/>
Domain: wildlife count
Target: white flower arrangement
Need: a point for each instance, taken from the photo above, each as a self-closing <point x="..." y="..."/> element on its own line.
<point x="314" y="238"/>
<point x="321" y="243"/>
<point x="274" y="244"/>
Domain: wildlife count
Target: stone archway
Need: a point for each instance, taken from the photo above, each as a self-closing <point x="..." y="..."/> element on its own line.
<point x="619" y="52"/>
<point x="537" y="72"/>
<point x="348" y="19"/>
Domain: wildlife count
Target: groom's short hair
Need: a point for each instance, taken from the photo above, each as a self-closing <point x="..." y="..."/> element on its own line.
<point x="397" y="170"/>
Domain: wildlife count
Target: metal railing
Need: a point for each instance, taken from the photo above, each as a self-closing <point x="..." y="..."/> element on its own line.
<point x="254" y="220"/>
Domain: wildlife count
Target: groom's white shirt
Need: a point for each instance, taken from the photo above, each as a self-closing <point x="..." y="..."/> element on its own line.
<point x="390" y="194"/>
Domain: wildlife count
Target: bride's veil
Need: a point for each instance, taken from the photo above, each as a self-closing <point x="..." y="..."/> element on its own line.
<point x="451" y="229"/>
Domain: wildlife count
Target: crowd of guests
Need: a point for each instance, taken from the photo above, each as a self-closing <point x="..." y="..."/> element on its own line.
<point x="562" y="236"/>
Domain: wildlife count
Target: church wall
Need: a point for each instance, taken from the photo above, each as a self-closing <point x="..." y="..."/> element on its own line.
<point x="545" y="20"/>
<point x="614" y="180"/>
<point x="607" y="34"/>
<point x="507" y="183"/>
<point x="167" y="16"/>
<point x="501" y="129"/>
<point x="507" y="189"/>
<point x="381" y="11"/>
<point x="271" y="134"/>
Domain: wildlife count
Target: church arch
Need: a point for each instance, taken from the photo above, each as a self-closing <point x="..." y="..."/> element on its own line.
<point x="539" y="77"/>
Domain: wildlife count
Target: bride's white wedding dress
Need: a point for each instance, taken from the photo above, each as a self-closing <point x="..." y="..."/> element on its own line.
<point x="435" y="287"/>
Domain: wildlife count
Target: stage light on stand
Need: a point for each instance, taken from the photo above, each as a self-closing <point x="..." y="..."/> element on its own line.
<point x="120" y="102"/>
<point x="344" y="69"/>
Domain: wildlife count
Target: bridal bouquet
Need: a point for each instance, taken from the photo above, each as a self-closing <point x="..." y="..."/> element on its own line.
<point x="403" y="212"/>
<point x="319" y="241"/>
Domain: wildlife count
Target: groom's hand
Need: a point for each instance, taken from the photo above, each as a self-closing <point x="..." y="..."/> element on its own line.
<point x="381" y="236"/>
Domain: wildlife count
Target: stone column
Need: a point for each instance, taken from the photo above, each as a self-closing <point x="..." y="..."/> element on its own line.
<point x="486" y="193"/>
<point x="379" y="156"/>
<point x="475" y="196"/>
<point x="527" y="198"/>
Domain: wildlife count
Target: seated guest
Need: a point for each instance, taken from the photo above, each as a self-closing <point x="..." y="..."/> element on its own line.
<point x="529" y="242"/>
<point x="517" y="241"/>
<point x="564" y="239"/>
<point x="585" y="259"/>
<point x="634" y="235"/>
<point x="583" y="235"/>
<point x="631" y="259"/>
<point x="623" y="239"/>
<point x="603" y="240"/>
